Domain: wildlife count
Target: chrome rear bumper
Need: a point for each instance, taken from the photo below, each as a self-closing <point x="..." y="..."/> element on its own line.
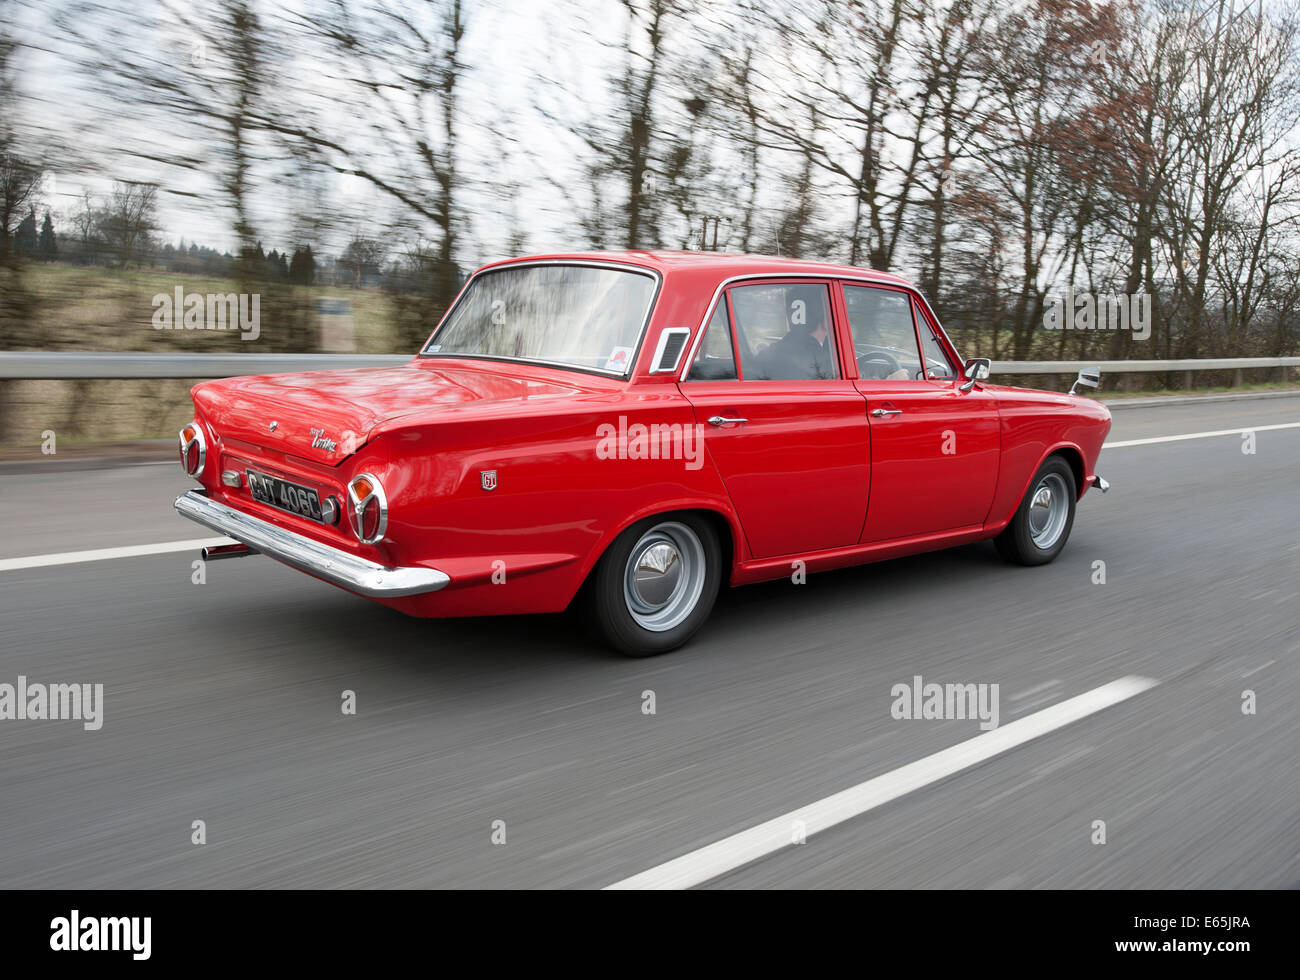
<point x="355" y="574"/>
<point x="1100" y="484"/>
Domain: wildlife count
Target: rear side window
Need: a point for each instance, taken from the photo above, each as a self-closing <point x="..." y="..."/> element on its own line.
<point x="716" y="358"/>
<point x="785" y="331"/>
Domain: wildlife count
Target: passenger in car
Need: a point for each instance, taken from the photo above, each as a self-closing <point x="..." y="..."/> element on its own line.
<point x="806" y="351"/>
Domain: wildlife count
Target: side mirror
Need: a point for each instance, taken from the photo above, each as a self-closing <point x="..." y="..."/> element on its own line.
<point x="977" y="369"/>
<point x="1090" y="377"/>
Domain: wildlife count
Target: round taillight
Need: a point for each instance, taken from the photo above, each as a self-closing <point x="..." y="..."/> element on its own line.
<point x="193" y="449"/>
<point x="367" y="508"/>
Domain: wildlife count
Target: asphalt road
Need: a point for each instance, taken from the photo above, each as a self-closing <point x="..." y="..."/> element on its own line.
<point x="222" y="704"/>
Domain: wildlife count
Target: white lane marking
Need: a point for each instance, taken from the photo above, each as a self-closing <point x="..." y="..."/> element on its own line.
<point x="101" y="554"/>
<point x="740" y="849"/>
<point x="1201" y="435"/>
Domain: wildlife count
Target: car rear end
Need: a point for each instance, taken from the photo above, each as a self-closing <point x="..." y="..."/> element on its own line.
<point x="299" y="481"/>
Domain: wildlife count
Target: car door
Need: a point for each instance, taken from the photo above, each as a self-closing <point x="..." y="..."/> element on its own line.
<point x="934" y="447"/>
<point x="784" y="427"/>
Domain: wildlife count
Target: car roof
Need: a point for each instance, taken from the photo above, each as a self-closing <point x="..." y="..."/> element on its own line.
<point x="724" y="264"/>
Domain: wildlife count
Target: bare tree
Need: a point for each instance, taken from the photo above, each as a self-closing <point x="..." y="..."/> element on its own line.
<point x="737" y="94"/>
<point x="20" y="185"/>
<point x="20" y="178"/>
<point x="128" y="219"/>
<point x="1041" y="74"/>
<point x="626" y="160"/>
<point x="18" y="189"/>
<point x="833" y="93"/>
<point x="1234" y="117"/>
<point x="944" y="129"/>
<point x="400" y="67"/>
<point x="208" y="82"/>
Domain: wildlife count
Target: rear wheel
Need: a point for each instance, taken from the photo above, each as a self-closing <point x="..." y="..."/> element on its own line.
<point x="655" y="586"/>
<point x="1042" y="522"/>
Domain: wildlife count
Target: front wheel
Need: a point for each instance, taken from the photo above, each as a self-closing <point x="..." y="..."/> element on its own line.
<point x="655" y="586"/>
<point x="1042" y="523"/>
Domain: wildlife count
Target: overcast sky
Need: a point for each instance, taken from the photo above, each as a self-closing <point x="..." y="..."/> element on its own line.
<point x="513" y="46"/>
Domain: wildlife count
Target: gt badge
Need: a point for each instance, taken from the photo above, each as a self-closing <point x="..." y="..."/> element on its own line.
<point x="488" y="479"/>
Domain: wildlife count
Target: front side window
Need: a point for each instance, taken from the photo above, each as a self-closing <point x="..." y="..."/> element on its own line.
<point x="784" y="331"/>
<point x="884" y="338"/>
<point x="578" y="316"/>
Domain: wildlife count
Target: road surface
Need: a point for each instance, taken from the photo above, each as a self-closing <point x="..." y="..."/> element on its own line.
<point x="223" y="704"/>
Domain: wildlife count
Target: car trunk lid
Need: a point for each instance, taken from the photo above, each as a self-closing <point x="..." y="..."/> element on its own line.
<point x="325" y="416"/>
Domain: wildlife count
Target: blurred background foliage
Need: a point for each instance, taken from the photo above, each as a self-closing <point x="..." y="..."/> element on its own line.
<point x="351" y="161"/>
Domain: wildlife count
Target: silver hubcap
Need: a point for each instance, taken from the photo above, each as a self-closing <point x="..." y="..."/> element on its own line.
<point x="664" y="576"/>
<point x="1049" y="506"/>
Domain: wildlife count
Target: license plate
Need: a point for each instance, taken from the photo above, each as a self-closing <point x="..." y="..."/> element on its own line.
<point x="281" y="494"/>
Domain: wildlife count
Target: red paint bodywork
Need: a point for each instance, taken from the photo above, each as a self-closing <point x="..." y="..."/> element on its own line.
<point x="811" y="476"/>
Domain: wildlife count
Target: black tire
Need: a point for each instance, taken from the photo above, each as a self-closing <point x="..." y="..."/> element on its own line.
<point x="609" y="595"/>
<point x="1033" y="537"/>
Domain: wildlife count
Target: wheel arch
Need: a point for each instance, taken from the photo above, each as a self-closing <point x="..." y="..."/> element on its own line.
<point x="1073" y="457"/>
<point x="730" y="535"/>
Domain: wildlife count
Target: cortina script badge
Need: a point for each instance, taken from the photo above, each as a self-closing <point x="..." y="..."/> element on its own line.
<point x="318" y="441"/>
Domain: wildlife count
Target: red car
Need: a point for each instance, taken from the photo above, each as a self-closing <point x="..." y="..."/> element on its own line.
<point x="629" y="430"/>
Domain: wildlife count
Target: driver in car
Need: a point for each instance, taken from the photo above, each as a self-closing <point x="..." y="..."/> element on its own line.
<point x="877" y="364"/>
<point x="872" y="370"/>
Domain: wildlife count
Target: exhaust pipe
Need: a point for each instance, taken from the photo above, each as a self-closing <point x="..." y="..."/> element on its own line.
<point x="227" y="551"/>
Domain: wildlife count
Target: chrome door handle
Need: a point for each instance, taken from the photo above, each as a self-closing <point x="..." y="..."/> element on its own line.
<point x="723" y="420"/>
<point x="882" y="412"/>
